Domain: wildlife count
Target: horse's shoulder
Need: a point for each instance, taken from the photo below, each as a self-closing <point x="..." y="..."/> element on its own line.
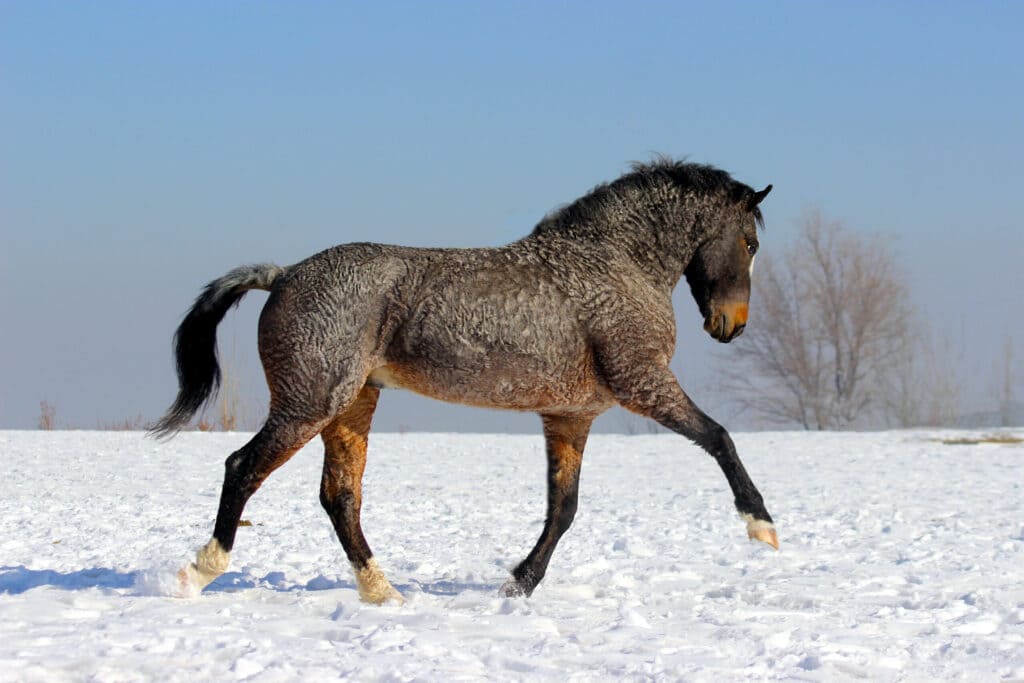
<point x="630" y="313"/>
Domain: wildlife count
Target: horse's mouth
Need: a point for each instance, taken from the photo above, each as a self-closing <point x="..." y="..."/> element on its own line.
<point x="722" y="329"/>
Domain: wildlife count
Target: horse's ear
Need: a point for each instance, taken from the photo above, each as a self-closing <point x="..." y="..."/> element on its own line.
<point x="757" y="198"/>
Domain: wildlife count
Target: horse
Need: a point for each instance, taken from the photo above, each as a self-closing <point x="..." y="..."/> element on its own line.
<point x="566" y="322"/>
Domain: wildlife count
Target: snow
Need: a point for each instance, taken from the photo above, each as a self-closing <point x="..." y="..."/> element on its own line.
<point x="901" y="558"/>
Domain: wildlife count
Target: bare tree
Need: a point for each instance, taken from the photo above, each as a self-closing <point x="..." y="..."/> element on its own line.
<point x="47" y="416"/>
<point x="228" y="406"/>
<point x="1003" y="383"/>
<point x="228" y="398"/>
<point x="829" y="322"/>
<point x="927" y="387"/>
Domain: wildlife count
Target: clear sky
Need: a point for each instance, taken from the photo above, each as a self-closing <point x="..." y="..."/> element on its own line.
<point x="146" y="148"/>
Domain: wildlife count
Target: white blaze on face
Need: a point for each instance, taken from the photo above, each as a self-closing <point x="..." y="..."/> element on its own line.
<point x="752" y="265"/>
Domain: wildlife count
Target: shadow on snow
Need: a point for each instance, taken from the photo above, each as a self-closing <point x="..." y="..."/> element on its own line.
<point x="17" y="580"/>
<point x="277" y="581"/>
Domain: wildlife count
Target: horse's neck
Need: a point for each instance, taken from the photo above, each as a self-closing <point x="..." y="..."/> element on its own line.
<point x="655" y="233"/>
<point x="621" y="257"/>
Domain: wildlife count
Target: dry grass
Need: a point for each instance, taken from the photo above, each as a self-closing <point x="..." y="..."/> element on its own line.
<point x="1004" y="439"/>
<point x="229" y="402"/>
<point x="47" y="416"/>
<point x="128" y="424"/>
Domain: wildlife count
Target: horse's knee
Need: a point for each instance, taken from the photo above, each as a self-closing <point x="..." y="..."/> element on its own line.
<point x="716" y="441"/>
<point x="239" y="474"/>
<point x="722" y="439"/>
<point x="233" y="463"/>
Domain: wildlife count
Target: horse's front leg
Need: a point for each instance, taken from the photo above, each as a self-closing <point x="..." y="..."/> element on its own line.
<point x="654" y="392"/>
<point x="565" y="438"/>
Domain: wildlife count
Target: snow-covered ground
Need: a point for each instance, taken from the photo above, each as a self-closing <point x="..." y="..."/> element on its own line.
<point x="902" y="559"/>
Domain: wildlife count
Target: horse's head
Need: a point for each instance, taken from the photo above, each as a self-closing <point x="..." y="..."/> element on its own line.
<point x="719" y="272"/>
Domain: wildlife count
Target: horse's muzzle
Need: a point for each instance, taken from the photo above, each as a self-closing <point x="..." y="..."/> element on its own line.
<point x="726" y="322"/>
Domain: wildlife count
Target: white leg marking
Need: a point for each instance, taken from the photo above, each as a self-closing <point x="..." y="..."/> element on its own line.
<point x="211" y="561"/>
<point x="754" y="524"/>
<point x="760" y="530"/>
<point x="373" y="585"/>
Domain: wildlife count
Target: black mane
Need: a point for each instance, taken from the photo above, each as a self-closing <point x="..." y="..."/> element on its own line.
<point x="663" y="170"/>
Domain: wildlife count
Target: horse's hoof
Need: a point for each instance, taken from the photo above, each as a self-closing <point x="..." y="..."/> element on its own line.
<point x="513" y="589"/>
<point x="188" y="582"/>
<point x="381" y="596"/>
<point x="760" y="530"/>
<point x="374" y="587"/>
<point x="765" y="536"/>
<point x="211" y="561"/>
<point x="391" y="596"/>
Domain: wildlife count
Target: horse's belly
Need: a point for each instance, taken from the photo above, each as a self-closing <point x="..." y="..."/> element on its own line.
<point x="512" y="383"/>
<point x="499" y="337"/>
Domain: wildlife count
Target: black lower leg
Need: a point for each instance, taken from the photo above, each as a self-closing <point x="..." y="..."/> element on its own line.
<point x="566" y="437"/>
<point x="682" y="416"/>
<point x="719" y="444"/>
<point x="531" y="570"/>
<point x="233" y="497"/>
<point x="716" y="441"/>
<point x="343" y="509"/>
<point x="247" y="468"/>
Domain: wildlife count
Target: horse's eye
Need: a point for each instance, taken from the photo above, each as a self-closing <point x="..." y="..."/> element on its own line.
<point x="751" y="249"/>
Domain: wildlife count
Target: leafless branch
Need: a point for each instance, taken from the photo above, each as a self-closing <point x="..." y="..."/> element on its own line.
<point x="830" y="332"/>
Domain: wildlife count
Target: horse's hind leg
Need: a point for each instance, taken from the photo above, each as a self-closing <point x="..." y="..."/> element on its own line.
<point x="341" y="492"/>
<point x="244" y="472"/>
<point x="565" y="439"/>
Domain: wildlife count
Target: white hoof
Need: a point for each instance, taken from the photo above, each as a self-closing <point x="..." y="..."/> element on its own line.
<point x="374" y="587"/>
<point x="760" y="530"/>
<point x="211" y="561"/>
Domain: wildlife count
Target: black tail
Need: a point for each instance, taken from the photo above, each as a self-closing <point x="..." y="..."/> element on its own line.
<point x="195" y="342"/>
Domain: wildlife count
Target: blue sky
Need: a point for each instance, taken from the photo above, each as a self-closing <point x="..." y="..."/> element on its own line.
<point x="146" y="148"/>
